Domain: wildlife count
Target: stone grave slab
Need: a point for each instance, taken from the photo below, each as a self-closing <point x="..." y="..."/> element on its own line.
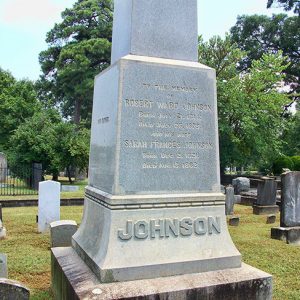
<point x="3" y="266"/>
<point x="266" y="197"/>
<point x="289" y="229"/>
<point x="13" y="290"/>
<point x="61" y="233"/>
<point x="48" y="204"/>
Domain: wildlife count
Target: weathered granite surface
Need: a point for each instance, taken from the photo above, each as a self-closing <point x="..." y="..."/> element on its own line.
<point x="271" y="219"/>
<point x="229" y="201"/>
<point x="291" y="235"/>
<point x="234" y="221"/>
<point x="3" y="265"/>
<point x="266" y="192"/>
<point x="155" y="29"/>
<point x="13" y="290"/>
<point x="241" y="184"/>
<point x="61" y="233"/>
<point x="265" y="210"/>
<point x="72" y="279"/>
<point x="154" y="128"/>
<point x="174" y="234"/>
<point x="290" y="200"/>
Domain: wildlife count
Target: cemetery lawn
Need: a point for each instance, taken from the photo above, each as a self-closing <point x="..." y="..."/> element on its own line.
<point x="29" y="256"/>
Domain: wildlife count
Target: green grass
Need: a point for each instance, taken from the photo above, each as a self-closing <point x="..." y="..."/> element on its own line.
<point x="29" y="256"/>
<point x="28" y="251"/>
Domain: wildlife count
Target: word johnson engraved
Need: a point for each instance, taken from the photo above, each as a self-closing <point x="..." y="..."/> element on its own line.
<point x="164" y="228"/>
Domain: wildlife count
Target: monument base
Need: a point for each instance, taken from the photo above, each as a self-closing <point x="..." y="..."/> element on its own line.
<point x="291" y="235"/>
<point x="72" y="279"/>
<point x="265" y="210"/>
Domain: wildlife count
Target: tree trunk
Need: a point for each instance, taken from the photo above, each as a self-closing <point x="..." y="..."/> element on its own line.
<point x="55" y="176"/>
<point x="69" y="175"/>
<point x="77" y="111"/>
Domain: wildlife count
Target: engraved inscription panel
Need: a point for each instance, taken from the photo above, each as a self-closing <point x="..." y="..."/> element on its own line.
<point x="168" y="135"/>
<point x="165" y="228"/>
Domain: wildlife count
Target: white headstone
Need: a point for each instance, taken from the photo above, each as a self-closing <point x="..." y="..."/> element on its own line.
<point x="49" y="204"/>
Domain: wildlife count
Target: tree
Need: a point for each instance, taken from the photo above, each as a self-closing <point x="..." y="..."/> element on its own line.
<point x="250" y="106"/>
<point x="79" y="48"/>
<point x="291" y="136"/>
<point x="286" y="4"/>
<point x="260" y="34"/>
<point x="57" y="145"/>
<point x="18" y="101"/>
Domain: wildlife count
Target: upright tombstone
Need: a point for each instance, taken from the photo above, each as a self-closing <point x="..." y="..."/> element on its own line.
<point x="241" y="184"/>
<point x="266" y="197"/>
<point x="49" y="204"/>
<point x="230" y="200"/>
<point x="289" y="229"/>
<point x="153" y="206"/>
<point x="3" y="266"/>
<point x="3" y="167"/>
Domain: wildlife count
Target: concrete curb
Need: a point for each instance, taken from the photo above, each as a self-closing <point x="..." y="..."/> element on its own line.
<point x="34" y="202"/>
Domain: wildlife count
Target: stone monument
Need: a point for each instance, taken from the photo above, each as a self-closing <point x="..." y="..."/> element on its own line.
<point x="289" y="229"/>
<point x="266" y="197"/>
<point x="229" y="201"/>
<point x="3" y="167"/>
<point x="49" y="204"/>
<point x="154" y="216"/>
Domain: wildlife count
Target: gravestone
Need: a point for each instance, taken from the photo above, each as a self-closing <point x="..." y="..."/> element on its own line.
<point x="3" y="167"/>
<point x="289" y="229"/>
<point x="49" y="204"/>
<point x="13" y="290"/>
<point x="1" y="217"/>
<point x="266" y="197"/>
<point x="2" y="231"/>
<point x="61" y="233"/>
<point x="153" y="205"/>
<point x="37" y="175"/>
<point x="3" y="266"/>
<point x="234" y="221"/>
<point x="230" y="200"/>
<point x="69" y="188"/>
<point x="241" y="184"/>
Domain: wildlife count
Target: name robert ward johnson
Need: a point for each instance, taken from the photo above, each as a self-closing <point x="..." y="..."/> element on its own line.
<point x="164" y="228"/>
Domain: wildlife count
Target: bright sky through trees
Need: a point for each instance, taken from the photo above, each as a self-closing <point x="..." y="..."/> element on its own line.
<point x="24" y="24"/>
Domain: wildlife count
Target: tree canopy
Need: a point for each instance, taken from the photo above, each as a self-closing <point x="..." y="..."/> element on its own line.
<point x="58" y="144"/>
<point x="259" y="34"/>
<point x="250" y="106"/>
<point x="286" y="4"/>
<point x="18" y="101"/>
<point x="79" y="48"/>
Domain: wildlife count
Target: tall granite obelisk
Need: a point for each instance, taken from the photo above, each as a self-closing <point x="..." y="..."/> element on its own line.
<point x="153" y="207"/>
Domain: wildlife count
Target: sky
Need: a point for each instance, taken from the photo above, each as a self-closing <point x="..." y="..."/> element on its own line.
<point x="24" y="24"/>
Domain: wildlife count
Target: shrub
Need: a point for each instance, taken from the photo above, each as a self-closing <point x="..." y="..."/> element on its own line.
<point x="296" y="163"/>
<point x="283" y="162"/>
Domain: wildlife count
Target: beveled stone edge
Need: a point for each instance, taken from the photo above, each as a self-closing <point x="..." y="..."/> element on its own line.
<point x="118" y="202"/>
<point x="84" y="285"/>
<point x="159" y="61"/>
